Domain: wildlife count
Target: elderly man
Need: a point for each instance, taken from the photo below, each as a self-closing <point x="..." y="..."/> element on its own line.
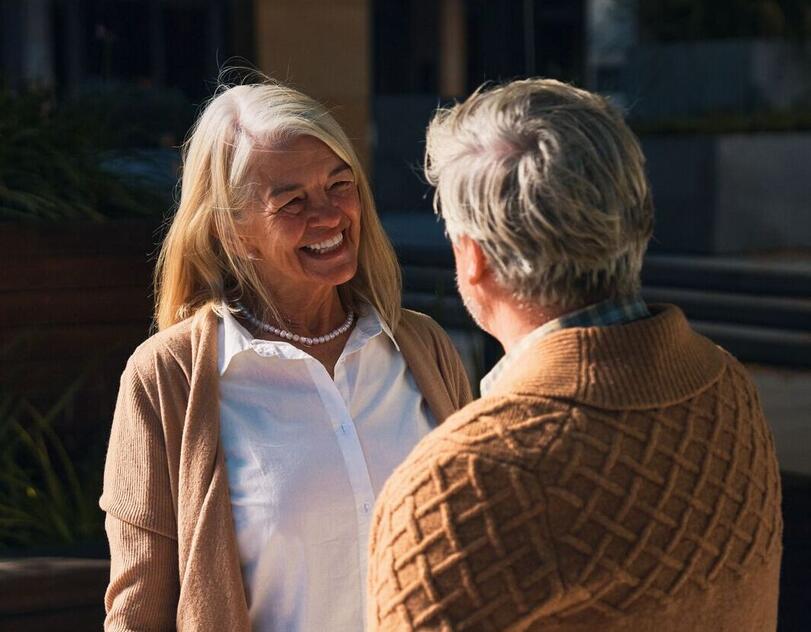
<point x="617" y="473"/>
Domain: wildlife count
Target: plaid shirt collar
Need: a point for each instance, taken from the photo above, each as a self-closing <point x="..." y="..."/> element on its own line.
<point x="611" y="312"/>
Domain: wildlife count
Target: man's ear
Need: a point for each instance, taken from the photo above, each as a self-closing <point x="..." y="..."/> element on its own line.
<point x="470" y="259"/>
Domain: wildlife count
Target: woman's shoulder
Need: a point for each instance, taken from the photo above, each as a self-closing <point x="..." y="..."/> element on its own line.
<point x="418" y="323"/>
<point x="421" y="329"/>
<point x="173" y="347"/>
<point x="429" y="351"/>
<point x="170" y="342"/>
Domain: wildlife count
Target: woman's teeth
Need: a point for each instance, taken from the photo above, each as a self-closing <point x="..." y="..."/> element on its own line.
<point x="328" y="245"/>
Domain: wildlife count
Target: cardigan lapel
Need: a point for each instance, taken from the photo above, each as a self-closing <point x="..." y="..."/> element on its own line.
<point x="421" y="358"/>
<point x="212" y="595"/>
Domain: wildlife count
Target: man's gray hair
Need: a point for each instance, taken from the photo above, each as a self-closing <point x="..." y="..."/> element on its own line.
<point x="550" y="181"/>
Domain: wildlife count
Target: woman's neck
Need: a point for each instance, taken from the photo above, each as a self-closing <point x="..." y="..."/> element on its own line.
<point x="311" y="314"/>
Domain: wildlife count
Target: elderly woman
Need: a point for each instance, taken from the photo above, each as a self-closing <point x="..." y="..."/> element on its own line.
<point x="253" y="432"/>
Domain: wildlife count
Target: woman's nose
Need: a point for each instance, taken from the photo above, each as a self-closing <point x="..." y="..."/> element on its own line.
<point x="324" y="214"/>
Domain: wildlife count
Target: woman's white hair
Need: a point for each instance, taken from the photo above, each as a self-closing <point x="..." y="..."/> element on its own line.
<point x="203" y="263"/>
<point x="550" y="182"/>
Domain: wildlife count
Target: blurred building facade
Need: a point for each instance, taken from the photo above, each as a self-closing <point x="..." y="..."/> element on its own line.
<point x="69" y="43"/>
<point x="722" y="89"/>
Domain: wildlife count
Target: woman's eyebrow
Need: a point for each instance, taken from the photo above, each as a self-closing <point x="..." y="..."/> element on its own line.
<point x="283" y="188"/>
<point x="286" y="188"/>
<point x="342" y="167"/>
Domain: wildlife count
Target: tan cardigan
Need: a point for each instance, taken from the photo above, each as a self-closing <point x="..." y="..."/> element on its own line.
<point x="175" y="561"/>
<point x="616" y="478"/>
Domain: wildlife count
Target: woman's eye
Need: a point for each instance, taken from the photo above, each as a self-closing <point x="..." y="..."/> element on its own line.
<point x="341" y="185"/>
<point x="293" y="206"/>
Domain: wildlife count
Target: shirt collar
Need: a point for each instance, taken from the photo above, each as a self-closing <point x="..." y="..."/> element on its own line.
<point x="234" y="339"/>
<point x="368" y="326"/>
<point x="609" y="312"/>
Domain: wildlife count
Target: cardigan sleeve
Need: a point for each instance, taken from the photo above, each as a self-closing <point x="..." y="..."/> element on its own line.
<point x="140" y="524"/>
<point x="144" y="584"/>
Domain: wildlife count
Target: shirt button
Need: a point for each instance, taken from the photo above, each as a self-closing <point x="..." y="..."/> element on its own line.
<point x="367" y="507"/>
<point x="343" y="428"/>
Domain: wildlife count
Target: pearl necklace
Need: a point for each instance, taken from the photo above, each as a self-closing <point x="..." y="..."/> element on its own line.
<point x="289" y="335"/>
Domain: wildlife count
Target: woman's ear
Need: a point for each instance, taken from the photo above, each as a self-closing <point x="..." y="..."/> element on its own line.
<point x="238" y="243"/>
<point x="248" y="247"/>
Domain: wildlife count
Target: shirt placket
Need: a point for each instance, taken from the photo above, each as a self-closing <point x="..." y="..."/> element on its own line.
<point x="335" y="395"/>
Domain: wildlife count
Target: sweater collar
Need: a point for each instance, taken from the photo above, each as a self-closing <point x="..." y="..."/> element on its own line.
<point x="609" y="312"/>
<point x="646" y="363"/>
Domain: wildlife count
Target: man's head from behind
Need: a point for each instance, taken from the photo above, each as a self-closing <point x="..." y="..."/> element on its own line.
<point x="545" y="184"/>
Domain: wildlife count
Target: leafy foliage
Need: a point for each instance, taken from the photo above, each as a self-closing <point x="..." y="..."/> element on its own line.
<point x="127" y="116"/>
<point x="52" y="168"/>
<point x="45" y="496"/>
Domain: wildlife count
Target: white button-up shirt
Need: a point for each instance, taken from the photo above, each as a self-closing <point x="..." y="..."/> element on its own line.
<point x="306" y="456"/>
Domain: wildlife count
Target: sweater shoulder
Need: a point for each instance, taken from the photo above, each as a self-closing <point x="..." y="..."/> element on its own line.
<point x="514" y="431"/>
<point x="420" y="325"/>
<point x="420" y="331"/>
<point x="577" y="477"/>
<point x="735" y="368"/>
<point x="169" y="349"/>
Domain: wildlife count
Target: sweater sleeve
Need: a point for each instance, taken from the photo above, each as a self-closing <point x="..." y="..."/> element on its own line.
<point x="140" y="523"/>
<point x="456" y="538"/>
<point x="144" y="585"/>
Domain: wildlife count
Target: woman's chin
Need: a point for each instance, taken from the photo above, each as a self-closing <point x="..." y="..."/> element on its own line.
<point x="331" y="268"/>
<point x="333" y="277"/>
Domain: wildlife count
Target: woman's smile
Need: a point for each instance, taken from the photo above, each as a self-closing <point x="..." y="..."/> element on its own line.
<point x="327" y="246"/>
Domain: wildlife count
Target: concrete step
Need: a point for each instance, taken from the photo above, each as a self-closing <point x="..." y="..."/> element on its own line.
<point x="778" y="347"/>
<point x="743" y="309"/>
<point x="749" y="343"/>
<point x="740" y="275"/>
<point x="775" y="312"/>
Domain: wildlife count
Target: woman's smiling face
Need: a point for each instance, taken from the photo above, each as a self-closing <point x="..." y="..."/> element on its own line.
<point x="304" y="227"/>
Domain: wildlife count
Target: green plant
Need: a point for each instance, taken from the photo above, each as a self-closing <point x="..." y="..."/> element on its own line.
<point x="45" y="497"/>
<point x="118" y="115"/>
<point x="52" y="168"/>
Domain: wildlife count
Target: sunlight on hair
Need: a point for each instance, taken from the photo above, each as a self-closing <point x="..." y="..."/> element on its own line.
<point x="550" y="181"/>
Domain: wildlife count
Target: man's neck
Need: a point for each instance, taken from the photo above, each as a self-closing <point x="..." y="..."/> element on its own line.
<point x="509" y="320"/>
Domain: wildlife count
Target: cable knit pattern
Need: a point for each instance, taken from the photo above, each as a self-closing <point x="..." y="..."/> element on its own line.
<point x="618" y="478"/>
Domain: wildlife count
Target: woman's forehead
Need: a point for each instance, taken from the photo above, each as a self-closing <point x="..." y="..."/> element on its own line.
<point x="291" y="156"/>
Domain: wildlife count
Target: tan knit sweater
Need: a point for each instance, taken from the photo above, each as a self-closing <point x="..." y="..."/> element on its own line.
<point x="617" y="478"/>
<point x="175" y="562"/>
